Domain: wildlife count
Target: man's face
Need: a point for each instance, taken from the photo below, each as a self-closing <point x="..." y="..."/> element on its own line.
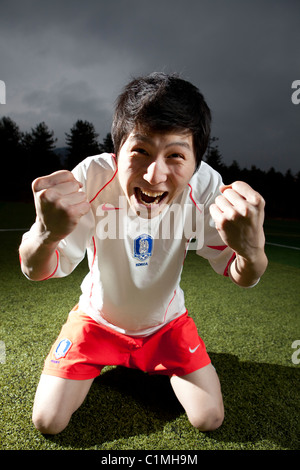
<point x="154" y="168"/>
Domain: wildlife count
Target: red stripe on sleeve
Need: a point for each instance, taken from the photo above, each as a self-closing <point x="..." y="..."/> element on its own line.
<point x="217" y="247"/>
<point x="225" y="273"/>
<point x="57" y="262"/>
<point x="107" y="182"/>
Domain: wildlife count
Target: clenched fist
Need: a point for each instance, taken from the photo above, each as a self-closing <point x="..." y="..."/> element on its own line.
<point x="59" y="204"/>
<point x="239" y="216"/>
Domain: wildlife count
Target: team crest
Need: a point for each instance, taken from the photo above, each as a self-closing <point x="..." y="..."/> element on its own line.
<point x="143" y="247"/>
<point x="62" y="348"/>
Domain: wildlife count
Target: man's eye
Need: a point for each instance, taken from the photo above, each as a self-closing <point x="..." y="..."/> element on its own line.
<point x="176" y="155"/>
<point x="140" y="150"/>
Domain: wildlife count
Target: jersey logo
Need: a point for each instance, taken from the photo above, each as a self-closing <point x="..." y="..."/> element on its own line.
<point x="143" y="247"/>
<point x="109" y="207"/>
<point x="62" y="348"/>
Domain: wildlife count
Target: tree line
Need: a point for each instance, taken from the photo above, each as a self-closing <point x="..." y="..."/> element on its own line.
<point x="27" y="155"/>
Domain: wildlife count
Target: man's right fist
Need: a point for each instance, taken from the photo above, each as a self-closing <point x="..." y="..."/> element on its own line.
<point x="59" y="204"/>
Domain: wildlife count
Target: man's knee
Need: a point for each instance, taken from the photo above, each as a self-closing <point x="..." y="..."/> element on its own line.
<point x="49" y="423"/>
<point x="55" y="401"/>
<point x="209" y="419"/>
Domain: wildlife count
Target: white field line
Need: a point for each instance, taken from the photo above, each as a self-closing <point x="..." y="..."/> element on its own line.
<point x="283" y="246"/>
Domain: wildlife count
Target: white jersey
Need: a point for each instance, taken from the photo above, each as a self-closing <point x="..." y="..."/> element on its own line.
<point x="135" y="264"/>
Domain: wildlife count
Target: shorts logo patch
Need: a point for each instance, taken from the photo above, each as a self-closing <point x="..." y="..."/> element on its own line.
<point x="62" y="348"/>
<point x="143" y="247"/>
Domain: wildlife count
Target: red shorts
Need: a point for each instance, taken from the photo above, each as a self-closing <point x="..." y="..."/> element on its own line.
<point x="84" y="347"/>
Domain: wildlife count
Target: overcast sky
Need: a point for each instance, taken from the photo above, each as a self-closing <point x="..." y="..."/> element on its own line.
<point x="68" y="59"/>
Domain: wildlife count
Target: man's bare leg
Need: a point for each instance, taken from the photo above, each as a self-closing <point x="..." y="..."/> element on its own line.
<point x="201" y="397"/>
<point x="56" y="400"/>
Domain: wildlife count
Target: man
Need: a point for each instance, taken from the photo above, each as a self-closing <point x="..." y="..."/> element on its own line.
<point x="115" y="208"/>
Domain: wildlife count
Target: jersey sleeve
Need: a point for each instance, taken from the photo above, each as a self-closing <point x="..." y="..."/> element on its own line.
<point x="72" y="249"/>
<point x="206" y="189"/>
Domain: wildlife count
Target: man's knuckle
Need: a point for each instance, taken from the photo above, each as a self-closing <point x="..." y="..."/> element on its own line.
<point x="257" y="199"/>
<point x="232" y="215"/>
<point x="37" y="184"/>
<point x="261" y="202"/>
<point x="245" y="210"/>
<point x="49" y="195"/>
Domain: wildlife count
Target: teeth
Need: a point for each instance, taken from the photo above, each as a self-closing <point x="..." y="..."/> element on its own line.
<point x="152" y="194"/>
<point x="150" y="203"/>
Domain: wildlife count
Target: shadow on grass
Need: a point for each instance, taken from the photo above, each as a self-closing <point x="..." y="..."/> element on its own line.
<point x="121" y="403"/>
<point x="261" y="404"/>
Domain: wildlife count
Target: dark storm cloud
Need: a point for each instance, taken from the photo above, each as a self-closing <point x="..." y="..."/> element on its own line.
<point x="63" y="61"/>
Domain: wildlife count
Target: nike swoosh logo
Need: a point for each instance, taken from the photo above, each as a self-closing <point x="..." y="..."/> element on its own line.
<point x="194" y="350"/>
<point x="105" y="207"/>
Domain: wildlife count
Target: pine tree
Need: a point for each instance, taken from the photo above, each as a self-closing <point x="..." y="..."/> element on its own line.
<point x="212" y="156"/>
<point x="107" y="145"/>
<point x="81" y="143"/>
<point x="39" y="146"/>
<point x="13" y="165"/>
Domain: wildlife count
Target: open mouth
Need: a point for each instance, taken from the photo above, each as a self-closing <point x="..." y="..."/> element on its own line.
<point x="149" y="197"/>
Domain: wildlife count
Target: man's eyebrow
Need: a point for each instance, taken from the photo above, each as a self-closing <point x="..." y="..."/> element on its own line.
<point x="141" y="137"/>
<point x="148" y="140"/>
<point x="182" y="144"/>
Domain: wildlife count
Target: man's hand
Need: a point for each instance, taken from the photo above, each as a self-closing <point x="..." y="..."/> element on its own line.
<point x="59" y="204"/>
<point x="239" y="215"/>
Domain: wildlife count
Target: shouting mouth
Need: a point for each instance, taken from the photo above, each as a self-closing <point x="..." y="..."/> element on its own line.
<point x="149" y="197"/>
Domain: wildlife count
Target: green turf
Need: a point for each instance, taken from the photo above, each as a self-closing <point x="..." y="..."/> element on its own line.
<point x="248" y="333"/>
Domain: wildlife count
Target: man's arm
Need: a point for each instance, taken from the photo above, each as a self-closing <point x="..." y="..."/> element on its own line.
<point x="59" y="205"/>
<point x="239" y="215"/>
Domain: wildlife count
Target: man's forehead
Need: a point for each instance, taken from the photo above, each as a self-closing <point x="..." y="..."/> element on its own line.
<point x="184" y="138"/>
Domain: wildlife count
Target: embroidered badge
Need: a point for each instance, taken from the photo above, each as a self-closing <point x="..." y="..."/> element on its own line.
<point x="62" y="348"/>
<point x="143" y="247"/>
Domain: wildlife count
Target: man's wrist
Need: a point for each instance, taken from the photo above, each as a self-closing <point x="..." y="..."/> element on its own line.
<point x="255" y="262"/>
<point x="247" y="272"/>
<point x="44" y="236"/>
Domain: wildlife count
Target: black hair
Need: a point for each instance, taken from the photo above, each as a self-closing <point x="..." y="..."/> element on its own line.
<point x="162" y="103"/>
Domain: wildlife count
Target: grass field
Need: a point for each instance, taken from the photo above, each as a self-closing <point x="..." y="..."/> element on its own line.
<point x="248" y="333"/>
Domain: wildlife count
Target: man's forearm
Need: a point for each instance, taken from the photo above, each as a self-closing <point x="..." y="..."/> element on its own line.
<point x="247" y="273"/>
<point x="38" y="257"/>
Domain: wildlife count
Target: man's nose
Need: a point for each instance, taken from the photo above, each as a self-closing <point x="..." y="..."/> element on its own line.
<point x="157" y="172"/>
